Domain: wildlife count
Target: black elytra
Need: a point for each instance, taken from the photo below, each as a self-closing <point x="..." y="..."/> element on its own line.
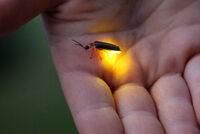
<point x="99" y="45"/>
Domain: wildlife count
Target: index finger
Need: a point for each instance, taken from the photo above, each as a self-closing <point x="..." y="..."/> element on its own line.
<point x="91" y="104"/>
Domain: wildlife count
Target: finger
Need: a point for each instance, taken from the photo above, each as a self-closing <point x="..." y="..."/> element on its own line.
<point x="91" y="104"/>
<point x="175" y="109"/>
<point x="14" y="13"/>
<point x="136" y="110"/>
<point x="192" y="76"/>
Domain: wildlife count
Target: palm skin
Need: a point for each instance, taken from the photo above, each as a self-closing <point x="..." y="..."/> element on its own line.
<point x="158" y="93"/>
<point x="152" y="96"/>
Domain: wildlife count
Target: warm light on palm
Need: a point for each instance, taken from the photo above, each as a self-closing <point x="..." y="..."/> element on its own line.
<point x="111" y="95"/>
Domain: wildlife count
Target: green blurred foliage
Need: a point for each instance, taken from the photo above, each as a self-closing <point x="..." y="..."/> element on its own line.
<point x="31" y="99"/>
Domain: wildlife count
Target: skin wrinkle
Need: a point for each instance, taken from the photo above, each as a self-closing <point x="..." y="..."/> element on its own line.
<point x="138" y="112"/>
<point x="147" y="43"/>
<point x="170" y="25"/>
<point x="179" y="100"/>
<point x="89" y="9"/>
<point x="96" y="112"/>
<point x="143" y="124"/>
<point x="184" y="40"/>
<point x="101" y="8"/>
<point x="84" y="19"/>
<point x="135" y="114"/>
<point x="164" y="76"/>
<point x="184" y="24"/>
<point x="133" y="6"/>
<point x="186" y="59"/>
<point x="187" y="7"/>
<point x="53" y="18"/>
<point x="184" y="8"/>
<point x="169" y="30"/>
<point x="171" y="122"/>
<point x="164" y="31"/>
<point x="123" y="88"/>
<point x="92" y="108"/>
<point x="147" y="16"/>
<point x="183" y="125"/>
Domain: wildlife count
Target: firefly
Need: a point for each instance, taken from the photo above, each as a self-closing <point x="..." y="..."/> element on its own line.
<point x="100" y="46"/>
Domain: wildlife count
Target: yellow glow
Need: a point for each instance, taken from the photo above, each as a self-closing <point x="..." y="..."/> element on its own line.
<point x="114" y="52"/>
<point x="116" y="62"/>
<point x="122" y="67"/>
<point x="109" y="58"/>
<point x="105" y="25"/>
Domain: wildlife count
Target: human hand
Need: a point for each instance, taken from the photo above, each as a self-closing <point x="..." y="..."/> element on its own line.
<point x="161" y="41"/>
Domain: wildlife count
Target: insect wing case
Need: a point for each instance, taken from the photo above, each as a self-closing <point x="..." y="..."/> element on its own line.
<point x="107" y="46"/>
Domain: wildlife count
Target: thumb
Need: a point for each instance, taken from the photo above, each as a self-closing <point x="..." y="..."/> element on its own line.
<point x="14" y="13"/>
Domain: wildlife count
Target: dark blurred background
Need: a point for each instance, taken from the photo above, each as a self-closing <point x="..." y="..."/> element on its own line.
<point x="31" y="99"/>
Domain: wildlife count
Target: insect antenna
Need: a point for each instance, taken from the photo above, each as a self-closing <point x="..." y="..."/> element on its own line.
<point x="78" y="43"/>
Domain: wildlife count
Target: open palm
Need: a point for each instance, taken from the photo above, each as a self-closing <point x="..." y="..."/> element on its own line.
<point x="151" y="97"/>
<point x="157" y="93"/>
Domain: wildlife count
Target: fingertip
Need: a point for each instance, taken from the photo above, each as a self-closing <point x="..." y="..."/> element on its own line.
<point x="192" y="77"/>
<point x="192" y="67"/>
<point x="137" y="110"/>
<point x="174" y="105"/>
